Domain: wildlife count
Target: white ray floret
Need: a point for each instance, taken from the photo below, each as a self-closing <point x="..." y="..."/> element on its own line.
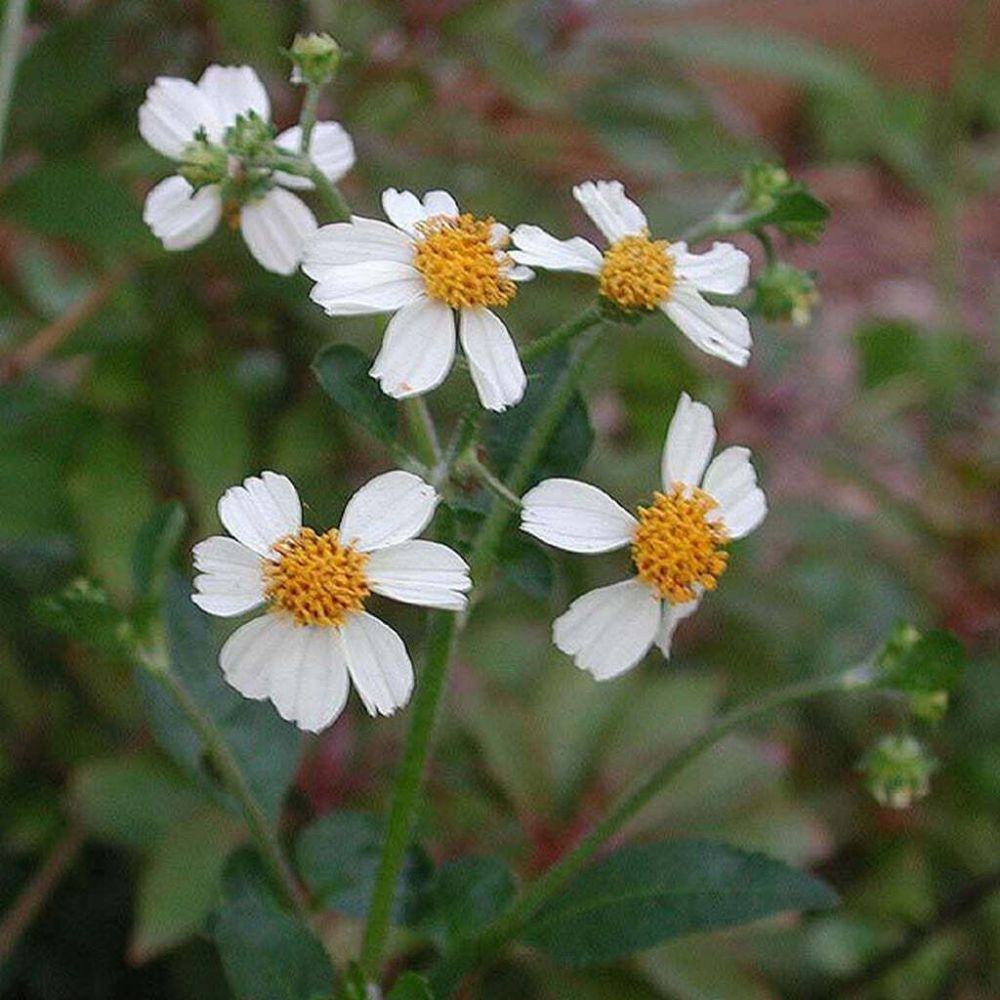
<point x="677" y="543"/>
<point x="638" y="273"/>
<point x="315" y="638"/>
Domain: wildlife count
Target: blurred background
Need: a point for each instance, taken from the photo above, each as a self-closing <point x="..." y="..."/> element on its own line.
<point x="129" y="376"/>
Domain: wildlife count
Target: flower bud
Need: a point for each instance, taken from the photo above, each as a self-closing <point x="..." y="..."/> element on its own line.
<point x="924" y="669"/>
<point x="250" y="136"/>
<point x="315" y="59"/>
<point x="203" y="163"/>
<point x="898" y="771"/>
<point x="763" y="183"/>
<point x="785" y="293"/>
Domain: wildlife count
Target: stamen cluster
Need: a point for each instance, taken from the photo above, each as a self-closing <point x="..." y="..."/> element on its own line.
<point x="462" y="263"/>
<point x="317" y="579"/>
<point x="638" y="273"/>
<point x="676" y="547"/>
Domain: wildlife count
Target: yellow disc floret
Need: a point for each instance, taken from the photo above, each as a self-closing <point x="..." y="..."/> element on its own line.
<point x="638" y="273"/>
<point x="316" y="578"/>
<point x="676" y="547"/>
<point x="462" y="262"/>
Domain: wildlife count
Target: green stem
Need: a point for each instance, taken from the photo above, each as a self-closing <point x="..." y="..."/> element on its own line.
<point x="233" y="778"/>
<point x="561" y="334"/>
<point x="424" y="433"/>
<point x="490" y="481"/>
<point x="307" y="116"/>
<point x="330" y="195"/>
<point x="547" y="420"/>
<point x="487" y="943"/>
<point x="10" y="42"/>
<point x="406" y="792"/>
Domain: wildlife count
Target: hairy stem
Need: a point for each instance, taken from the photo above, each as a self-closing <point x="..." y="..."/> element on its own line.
<point x="233" y="778"/>
<point x="406" y="791"/>
<point x="10" y="41"/>
<point x="483" y="946"/>
<point x="561" y="335"/>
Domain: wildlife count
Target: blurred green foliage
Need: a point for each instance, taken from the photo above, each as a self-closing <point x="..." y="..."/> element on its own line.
<point x="180" y="374"/>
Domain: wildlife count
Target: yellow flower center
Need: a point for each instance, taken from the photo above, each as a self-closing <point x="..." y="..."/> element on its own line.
<point x="462" y="263"/>
<point x="676" y="547"/>
<point x="317" y="579"/>
<point x="637" y="273"/>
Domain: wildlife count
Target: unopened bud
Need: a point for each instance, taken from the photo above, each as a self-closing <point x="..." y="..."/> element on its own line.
<point x="203" y="163"/>
<point x="763" y="183"/>
<point x="315" y="59"/>
<point x="250" y="136"/>
<point x="898" y="771"/>
<point x="786" y="294"/>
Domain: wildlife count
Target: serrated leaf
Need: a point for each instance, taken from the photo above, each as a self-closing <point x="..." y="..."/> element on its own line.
<point x="643" y="895"/>
<point x="342" y="371"/>
<point x="795" y="210"/>
<point x="75" y="201"/>
<point x="85" y="613"/>
<point x="462" y="896"/>
<point x="266" y="953"/>
<point x="179" y="884"/>
<point x="338" y="857"/>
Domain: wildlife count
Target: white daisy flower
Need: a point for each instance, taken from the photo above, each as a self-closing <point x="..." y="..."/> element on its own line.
<point x="433" y="267"/>
<point x="638" y="273"/>
<point x="316" y="633"/>
<point x="274" y="222"/>
<point x="678" y="543"/>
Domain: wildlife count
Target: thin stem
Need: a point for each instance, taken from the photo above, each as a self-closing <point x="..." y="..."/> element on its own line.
<point x="307" y="116"/>
<point x="33" y="896"/>
<point x="330" y="194"/>
<point x="425" y="436"/>
<point x="491" y="481"/>
<point x="561" y="334"/>
<point x="10" y="42"/>
<point x="484" y="945"/>
<point x="233" y="778"/>
<point x="546" y="421"/>
<point x="406" y="791"/>
<point x="722" y="221"/>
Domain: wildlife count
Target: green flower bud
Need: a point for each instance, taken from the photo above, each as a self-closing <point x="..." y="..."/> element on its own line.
<point x="250" y="137"/>
<point x="315" y="59"/>
<point x="898" y="771"/>
<point x="203" y="163"/>
<point x="763" y="183"/>
<point x="786" y="294"/>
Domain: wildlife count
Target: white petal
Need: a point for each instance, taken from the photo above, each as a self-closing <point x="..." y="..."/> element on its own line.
<point x="171" y="114"/>
<point x="378" y="663"/>
<point x="609" y="630"/>
<point x="493" y="359"/>
<point x="387" y="510"/>
<point x="356" y="242"/>
<point x="230" y="581"/>
<point x="180" y="218"/>
<point x="439" y="203"/>
<point x="234" y="90"/>
<point x="576" y="517"/>
<point x="519" y="273"/>
<point x="732" y="481"/>
<point x="276" y="229"/>
<point x="420" y="572"/>
<point x="718" y="330"/>
<point x="723" y="269"/>
<point x="610" y="209"/>
<point x="300" y="668"/>
<point x="417" y="351"/>
<point x="403" y="209"/>
<point x="367" y="287"/>
<point x="744" y="515"/>
<point x="690" y="439"/>
<point x="261" y="511"/>
<point x="330" y="148"/>
<point x="538" y="249"/>
<point x="673" y="615"/>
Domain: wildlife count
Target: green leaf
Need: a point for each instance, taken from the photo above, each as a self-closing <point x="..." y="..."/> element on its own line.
<point x="266" y="954"/>
<point x="75" y="201"/>
<point x="526" y="565"/>
<point x="131" y="799"/>
<point x="85" y="613"/>
<point x="643" y="895"/>
<point x="504" y="433"/>
<point x="927" y="668"/>
<point x="793" y="210"/>
<point x="342" y="370"/>
<point x="180" y="882"/>
<point x="266" y="748"/>
<point x="155" y="546"/>
<point x="338" y="857"/>
<point x="463" y="896"/>
<point x="410" y="986"/>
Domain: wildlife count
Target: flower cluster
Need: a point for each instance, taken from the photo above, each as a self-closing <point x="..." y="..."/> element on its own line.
<point x="444" y="275"/>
